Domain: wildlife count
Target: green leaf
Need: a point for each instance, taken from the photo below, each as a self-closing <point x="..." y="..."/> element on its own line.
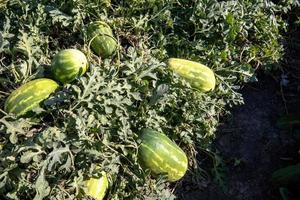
<point x="27" y="156"/>
<point x="41" y="187"/>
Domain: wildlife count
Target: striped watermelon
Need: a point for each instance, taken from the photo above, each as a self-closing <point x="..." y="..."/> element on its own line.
<point x="96" y="187"/>
<point x="162" y="156"/>
<point x="68" y="64"/>
<point x="199" y="76"/>
<point x="102" y="41"/>
<point x="29" y="96"/>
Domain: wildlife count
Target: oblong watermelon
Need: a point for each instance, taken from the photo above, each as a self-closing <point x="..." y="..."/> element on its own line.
<point x="68" y="64"/>
<point x="96" y="187"/>
<point x="101" y="37"/>
<point x="198" y="75"/>
<point x="162" y="156"/>
<point x="29" y="96"/>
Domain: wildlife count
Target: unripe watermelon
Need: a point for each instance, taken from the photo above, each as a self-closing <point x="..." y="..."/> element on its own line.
<point x="289" y="175"/>
<point x="68" y="64"/>
<point x="102" y="41"/>
<point x="29" y="96"/>
<point x="96" y="187"/>
<point x="199" y="76"/>
<point x="162" y="156"/>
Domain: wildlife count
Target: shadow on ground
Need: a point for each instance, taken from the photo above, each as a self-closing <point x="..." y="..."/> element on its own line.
<point x="251" y="146"/>
<point x="250" y="141"/>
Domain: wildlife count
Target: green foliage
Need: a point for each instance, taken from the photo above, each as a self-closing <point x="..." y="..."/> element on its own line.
<point x="95" y="120"/>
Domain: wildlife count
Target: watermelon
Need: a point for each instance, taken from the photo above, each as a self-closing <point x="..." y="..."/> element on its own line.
<point x="29" y="96"/>
<point x="68" y="64"/>
<point x="198" y="75"/>
<point x="96" y="187"/>
<point x="162" y="156"/>
<point x="101" y="37"/>
<point x="289" y="175"/>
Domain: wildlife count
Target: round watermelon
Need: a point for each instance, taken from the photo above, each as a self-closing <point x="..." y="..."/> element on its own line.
<point x="198" y="75"/>
<point x="161" y="155"/>
<point x="29" y="96"/>
<point x="101" y="37"/>
<point x="68" y="64"/>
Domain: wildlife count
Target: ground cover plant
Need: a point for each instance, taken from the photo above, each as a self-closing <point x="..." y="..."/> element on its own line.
<point x="95" y="121"/>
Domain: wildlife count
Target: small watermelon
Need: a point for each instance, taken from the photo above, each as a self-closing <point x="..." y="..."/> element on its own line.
<point x="198" y="75"/>
<point x="289" y="175"/>
<point x="96" y="187"/>
<point x="162" y="156"/>
<point x="68" y="64"/>
<point x="29" y="96"/>
<point x="101" y="37"/>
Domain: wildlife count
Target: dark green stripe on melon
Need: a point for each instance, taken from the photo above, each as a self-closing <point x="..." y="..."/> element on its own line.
<point x="101" y="37"/>
<point x="29" y="96"/>
<point x="162" y="156"/>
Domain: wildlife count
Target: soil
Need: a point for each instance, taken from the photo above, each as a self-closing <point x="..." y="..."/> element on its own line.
<point x="250" y="141"/>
